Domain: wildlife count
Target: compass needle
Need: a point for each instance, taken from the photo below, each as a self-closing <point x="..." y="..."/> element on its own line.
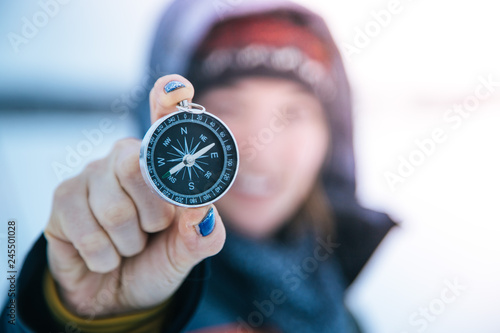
<point x="174" y="170"/>
<point x="203" y="151"/>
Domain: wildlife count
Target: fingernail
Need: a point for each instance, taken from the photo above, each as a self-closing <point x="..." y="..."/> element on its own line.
<point x="207" y="225"/>
<point x="173" y="85"/>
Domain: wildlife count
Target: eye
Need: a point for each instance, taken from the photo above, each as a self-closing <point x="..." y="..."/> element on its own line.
<point x="304" y="107"/>
<point x="295" y="112"/>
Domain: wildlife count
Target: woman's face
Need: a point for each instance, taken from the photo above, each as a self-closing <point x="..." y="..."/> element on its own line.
<point x="282" y="136"/>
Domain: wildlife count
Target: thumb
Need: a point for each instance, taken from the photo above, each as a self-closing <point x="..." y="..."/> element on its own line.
<point x="200" y="234"/>
<point x="166" y="93"/>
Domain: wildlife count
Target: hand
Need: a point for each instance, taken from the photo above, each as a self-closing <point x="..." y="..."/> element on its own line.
<point x="113" y="245"/>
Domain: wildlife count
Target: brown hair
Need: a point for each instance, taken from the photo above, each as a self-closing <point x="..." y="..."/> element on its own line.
<point x="316" y="212"/>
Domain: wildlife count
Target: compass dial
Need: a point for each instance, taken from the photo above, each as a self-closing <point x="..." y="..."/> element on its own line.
<point x="189" y="159"/>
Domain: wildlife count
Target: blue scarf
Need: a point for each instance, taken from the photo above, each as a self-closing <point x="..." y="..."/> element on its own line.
<point x="284" y="286"/>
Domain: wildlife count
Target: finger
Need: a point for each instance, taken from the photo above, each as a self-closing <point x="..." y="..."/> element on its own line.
<point x="114" y="209"/>
<point x="73" y="222"/>
<point x="154" y="213"/>
<point x="65" y="263"/>
<point x="66" y="266"/>
<point x="163" y="102"/>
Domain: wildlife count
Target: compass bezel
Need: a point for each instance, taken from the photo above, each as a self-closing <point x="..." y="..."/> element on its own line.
<point x="146" y="160"/>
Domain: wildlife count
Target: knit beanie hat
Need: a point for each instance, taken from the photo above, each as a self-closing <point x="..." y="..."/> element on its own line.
<point x="273" y="44"/>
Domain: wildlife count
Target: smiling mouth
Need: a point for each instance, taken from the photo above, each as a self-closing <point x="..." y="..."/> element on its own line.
<point x="254" y="185"/>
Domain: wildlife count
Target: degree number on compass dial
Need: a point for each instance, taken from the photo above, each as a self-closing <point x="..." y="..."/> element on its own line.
<point x="189" y="159"/>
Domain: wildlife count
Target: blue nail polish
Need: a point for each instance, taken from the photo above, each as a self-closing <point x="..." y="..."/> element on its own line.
<point x="206" y="226"/>
<point x="173" y="85"/>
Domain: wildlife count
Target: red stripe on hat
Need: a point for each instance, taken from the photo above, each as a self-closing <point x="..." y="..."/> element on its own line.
<point x="269" y="30"/>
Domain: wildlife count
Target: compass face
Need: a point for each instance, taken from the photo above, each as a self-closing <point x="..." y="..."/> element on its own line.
<point x="189" y="159"/>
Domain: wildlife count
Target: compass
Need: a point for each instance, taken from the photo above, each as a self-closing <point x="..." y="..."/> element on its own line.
<point x="189" y="157"/>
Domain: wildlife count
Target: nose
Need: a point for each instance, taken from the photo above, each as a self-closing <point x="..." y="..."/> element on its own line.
<point x="260" y="142"/>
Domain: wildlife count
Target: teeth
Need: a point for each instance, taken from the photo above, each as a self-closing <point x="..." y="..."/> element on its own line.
<point x="252" y="184"/>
